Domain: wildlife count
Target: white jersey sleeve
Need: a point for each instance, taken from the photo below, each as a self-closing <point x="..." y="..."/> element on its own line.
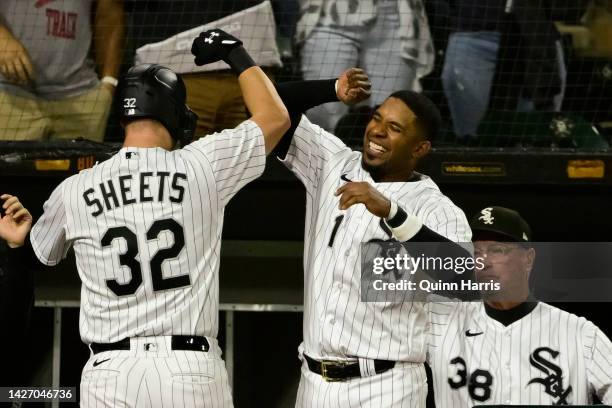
<point x="448" y="220"/>
<point x="48" y="236"/>
<point x="311" y="147"/>
<point x="598" y="353"/>
<point x="236" y="156"/>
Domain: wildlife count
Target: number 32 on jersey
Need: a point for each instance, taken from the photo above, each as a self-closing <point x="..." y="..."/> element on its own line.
<point x="128" y="258"/>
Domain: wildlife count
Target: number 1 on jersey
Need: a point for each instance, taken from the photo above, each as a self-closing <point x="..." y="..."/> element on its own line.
<point x="333" y="234"/>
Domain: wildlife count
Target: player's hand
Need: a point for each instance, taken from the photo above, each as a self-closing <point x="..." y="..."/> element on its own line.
<point x="213" y="45"/>
<point x="361" y="192"/>
<point x="353" y="86"/>
<point x="16" y="222"/>
<point x="15" y="62"/>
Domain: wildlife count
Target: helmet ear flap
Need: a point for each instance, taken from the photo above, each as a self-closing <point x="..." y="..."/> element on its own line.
<point x="190" y="121"/>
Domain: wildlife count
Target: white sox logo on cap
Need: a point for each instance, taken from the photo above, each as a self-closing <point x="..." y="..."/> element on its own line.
<point x="486" y="216"/>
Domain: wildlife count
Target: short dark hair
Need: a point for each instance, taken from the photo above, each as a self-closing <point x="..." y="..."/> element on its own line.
<point x="426" y="112"/>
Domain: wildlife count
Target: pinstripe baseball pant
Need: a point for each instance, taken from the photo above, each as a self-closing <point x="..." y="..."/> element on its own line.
<point x="404" y="386"/>
<point x="151" y="374"/>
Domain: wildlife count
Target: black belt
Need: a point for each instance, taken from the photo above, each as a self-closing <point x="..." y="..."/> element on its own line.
<point x="189" y="343"/>
<point x="339" y="371"/>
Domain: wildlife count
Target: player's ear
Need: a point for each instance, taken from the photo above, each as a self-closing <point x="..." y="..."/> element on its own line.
<point x="421" y="149"/>
<point x="530" y="259"/>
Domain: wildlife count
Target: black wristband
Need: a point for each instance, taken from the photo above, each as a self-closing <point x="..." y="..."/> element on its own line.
<point x="239" y="60"/>
<point x="398" y="219"/>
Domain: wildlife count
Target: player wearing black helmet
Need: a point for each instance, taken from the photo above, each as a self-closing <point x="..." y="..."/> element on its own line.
<point x="146" y="226"/>
<point x="156" y="92"/>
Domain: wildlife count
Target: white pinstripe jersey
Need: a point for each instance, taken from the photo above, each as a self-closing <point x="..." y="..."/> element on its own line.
<point x="337" y="324"/>
<point x="146" y="230"/>
<point x="548" y="357"/>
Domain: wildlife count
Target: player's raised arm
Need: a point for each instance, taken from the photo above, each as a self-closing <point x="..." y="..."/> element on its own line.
<point x="305" y="147"/>
<point x="351" y="87"/>
<point x="260" y="96"/>
<point x="265" y="105"/>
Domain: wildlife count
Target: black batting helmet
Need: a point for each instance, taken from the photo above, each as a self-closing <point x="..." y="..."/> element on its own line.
<point x="156" y="92"/>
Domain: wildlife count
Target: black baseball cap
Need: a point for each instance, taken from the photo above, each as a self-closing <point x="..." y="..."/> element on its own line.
<point x="498" y="224"/>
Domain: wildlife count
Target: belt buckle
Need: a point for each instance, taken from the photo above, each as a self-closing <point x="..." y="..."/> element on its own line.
<point x="324" y="365"/>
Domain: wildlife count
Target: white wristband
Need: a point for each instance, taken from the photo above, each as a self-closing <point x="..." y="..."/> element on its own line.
<point x="408" y="229"/>
<point x="336" y="86"/>
<point x="392" y="210"/>
<point x="110" y="80"/>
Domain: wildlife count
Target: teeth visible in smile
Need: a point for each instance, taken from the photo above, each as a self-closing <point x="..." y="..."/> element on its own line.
<point x="377" y="148"/>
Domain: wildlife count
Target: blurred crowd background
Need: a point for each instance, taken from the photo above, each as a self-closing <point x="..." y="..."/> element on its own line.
<point x="505" y="73"/>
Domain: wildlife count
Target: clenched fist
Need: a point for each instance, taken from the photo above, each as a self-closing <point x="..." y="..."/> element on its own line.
<point x="353" y="86"/>
<point x="213" y="45"/>
<point x="362" y="192"/>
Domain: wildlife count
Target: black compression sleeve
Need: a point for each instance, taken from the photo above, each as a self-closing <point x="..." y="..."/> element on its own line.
<point x="427" y="235"/>
<point x="298" y="97"/>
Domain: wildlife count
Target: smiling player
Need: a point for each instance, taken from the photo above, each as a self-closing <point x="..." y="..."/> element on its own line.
<point x="356" y="353"/>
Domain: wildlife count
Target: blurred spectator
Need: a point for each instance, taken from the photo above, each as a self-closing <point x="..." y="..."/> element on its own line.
<point x="48" y="84"/>
<point x="569" y="11"/>
<point x="474" y="52"/>
<point x="589" y="90"/>
<point x="286" y="13"/>
<point x="598" y="21"/>
<point x="214" y="95"/>
<point x="390" y="39"/>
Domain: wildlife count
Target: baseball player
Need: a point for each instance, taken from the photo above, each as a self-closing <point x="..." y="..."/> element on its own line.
<point x="146" y="226"/>
<point x="356" y="353"/>
<point x="512" y="349"/>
